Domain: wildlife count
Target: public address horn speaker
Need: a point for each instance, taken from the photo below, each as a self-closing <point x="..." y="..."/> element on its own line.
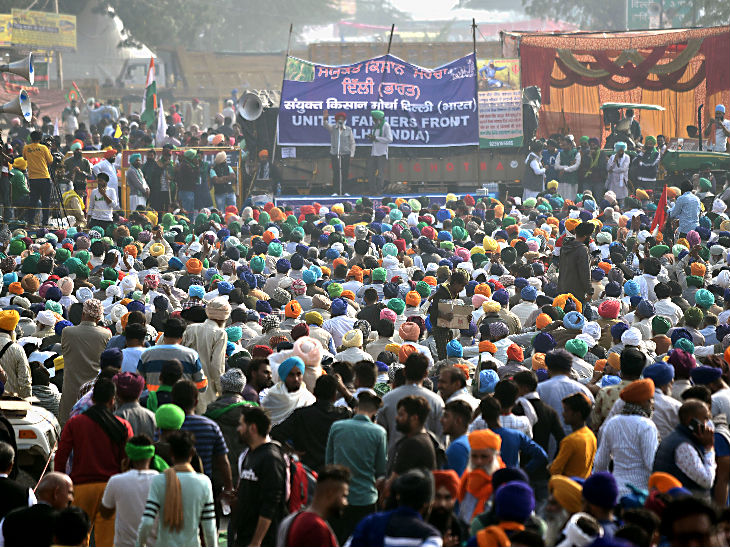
<point x="250" y="106"/>
<point x="20" y="105"/>
<point x="23" y="68"/>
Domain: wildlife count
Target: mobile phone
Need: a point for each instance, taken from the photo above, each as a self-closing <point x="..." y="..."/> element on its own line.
<point x="694" y="425"/>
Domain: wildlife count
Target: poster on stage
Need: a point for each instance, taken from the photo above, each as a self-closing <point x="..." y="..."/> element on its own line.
<point x="43" y="30"/>
<point x="424" y="107"/>
<point x="500" y="103"/>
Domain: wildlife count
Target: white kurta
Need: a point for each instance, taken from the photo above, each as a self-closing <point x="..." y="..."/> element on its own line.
<point x="618" y="175"/>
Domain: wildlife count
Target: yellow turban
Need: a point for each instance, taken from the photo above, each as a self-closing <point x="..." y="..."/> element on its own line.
<point x="568" y="493"/>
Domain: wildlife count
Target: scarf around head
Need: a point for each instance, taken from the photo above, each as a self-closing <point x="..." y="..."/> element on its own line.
<point x="280" y="403"/>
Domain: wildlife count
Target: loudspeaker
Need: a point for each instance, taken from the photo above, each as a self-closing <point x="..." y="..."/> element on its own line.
<point x="23" y="68"/>
<point x="20" y="105"/>
<point x="250" y="106"/>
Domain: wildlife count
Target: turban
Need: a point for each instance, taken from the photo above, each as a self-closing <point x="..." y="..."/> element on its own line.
<point x="129" y="385"/>
<point x="609" y="309"/>
<point x="46" y="317"/>
<point x="514" y="501"/>
<point x="487" y="346"/>
<point x="498" y="330"/>
<point x="574" y="320"/>
<point x="488" y="379"/>
<point x="704" y="298"/>
<point x="682" y="361"/>
<point x="515" y="353"/>
<point x="413" y="299"/>
<point x="660" y="324"/>
<point x="309" y="350"/>
<point x="448" y="479"/>
<point x="663" y="482"/>
<point x="352" y="339"/>
<point x="9" y="319"/>
<point x="601" y="490"/>
<point x="169" y="417"/>
<point x="538" y="361"/>
<point x="218" y="309"/>
<point x="704" y="374"/>
<point x="338" y="307"/>
<point x="194" y="266"/>
<point x="404" y="351"/>
<point x="93" y="308"/>
<point x="313" y="317"/>
<point x="261" y="351"/>
<point x="698" y="269"/>
<point x="543" y="342"/>
<point x="288" y="364"/>
<point x="568" y="493"/>
<point x="638" y="391"/>
<point x="379" y="275"/>
<point x="397" y="305"/>
<point x="409" y="331"/>
<point x="491" y="306"/>
<point x="197" y="291"/>
<point x="661" y="373"/>
<point x="631" y="337"/>
<point x="542" y="321"/>
<point x="484" y="439"/>
<point x="454" y="349"/>
<point x="300" y="330"/>
<point x="293" y="309"/>
<point x="577" y="347"/>
<point x="528" y="293"/>
<point x="645" y="308"/>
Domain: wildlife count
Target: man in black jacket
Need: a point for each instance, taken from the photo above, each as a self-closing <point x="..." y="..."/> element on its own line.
<point x="20" y="527"/>
<point x="262" y="488"/>
<point x="574" y="272"/>
<point x="12" y="494"/>
<point x="307" y="428"/>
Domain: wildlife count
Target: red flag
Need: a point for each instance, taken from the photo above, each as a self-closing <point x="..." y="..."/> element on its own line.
<point x="660" y="217"/>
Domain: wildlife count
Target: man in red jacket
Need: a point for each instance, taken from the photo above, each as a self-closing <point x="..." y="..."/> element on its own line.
<point x="97" y="439"/>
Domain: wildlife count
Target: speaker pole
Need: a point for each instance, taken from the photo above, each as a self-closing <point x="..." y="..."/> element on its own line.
<point x="59" y="57"/>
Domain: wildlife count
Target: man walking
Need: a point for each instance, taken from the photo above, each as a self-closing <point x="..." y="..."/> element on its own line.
<point x="39" y="177"/>
<point x="574" y="273"/>
<point x="261" y="491"/>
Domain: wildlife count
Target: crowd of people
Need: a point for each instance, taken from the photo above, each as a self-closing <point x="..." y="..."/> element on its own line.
<point x="547" y="371"/>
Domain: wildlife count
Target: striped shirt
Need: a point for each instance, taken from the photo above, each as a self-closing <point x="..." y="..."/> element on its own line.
<point x="209" y="440"/>
<point x="152" y="359"/>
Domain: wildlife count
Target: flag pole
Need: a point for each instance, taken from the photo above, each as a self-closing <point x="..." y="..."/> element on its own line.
<point x="476" y="97"/>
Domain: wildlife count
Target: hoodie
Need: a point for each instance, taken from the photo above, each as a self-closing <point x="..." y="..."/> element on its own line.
<point x="574" y="269"/>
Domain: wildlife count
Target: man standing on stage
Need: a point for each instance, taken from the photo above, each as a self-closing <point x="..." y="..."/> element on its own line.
<point x="381" y="137"/>
<point x="342" y="147"/>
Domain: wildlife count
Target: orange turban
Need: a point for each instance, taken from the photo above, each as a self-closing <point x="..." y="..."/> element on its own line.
<point x="405" y="351"/>
<point x="485" y="439"/>
<point x="568" y="493"/>
<point x="268" y="236"/>
<point x="15" y="288"/>
<point x="131" y="250"/>
<point x="600" y="365"/>
<point x="124" y="319"/>
<point x="560" y="301"/>
<point x="604" y="266"/>
<point x="448" y="479"/>
<point x="355" y="272"/>
<point x="293" y="309"/>
<point x="698" y="269"/>
<point x="663" y="482"/>
<point x="571" y="224"/>
<point x="194" y="266"/>
<point x="515" y="353"/>
<point x="430" y="280"/>
<point x="487" y="346"/>
<point x="483" y="289"/>
<point x="338" y="261"/>
<point x="413" y="298"/>
<point x="542" y="321"/>
<point x="326" y="270"/>
<point x="464" y="368"/>
<point x="614" y="360"/>
<point x="538" y="361"/>
<point x="726" y="355"/>
<point x="638" y="391"/>
<point x="347" y="294"/>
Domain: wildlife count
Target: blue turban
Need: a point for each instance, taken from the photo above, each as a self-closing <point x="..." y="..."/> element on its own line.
<point x="175" y="264"/>
<point x="111" y="357"/>
<point x="597" y="274"/>
<point x="309" y="277"/>
<point x="521" y="283"/>
<point x="224" y="288"/>
<point x="704" y="374"/>
<point x="297" y="261"/>
<point x="444" y="236"/>
<point x="53" y="294"/>
<point x="263" y="307"/>
<point x="661" y="373"/>
<point x="618" y="329"/>
<point x="134" y="157"/>
<point x="135" y="306"/>
<point x="488" y="379"/>
<point x="543" y="342"/>
<point x="514" y="501"/>
<point x="681" y="333"/>
<point x="635" y="300"/>
<point x="288" y="364"/>
<point x="331" y="254"/>
<point x="601" y="490"/>
<point x="252" y="316"/>
<point x="470" y="285"/>
<point x="60" y="325"/>
<point x="250" y="279"/>
<point x="196" y="291"/>
<point x="501" y="296"/>
<point x="528" y="293"/>
<point x="620" y="145"/>
<point x="283" y="266"/>
<point x="610" y="380"/>
<point x="9" y="278"/>
<point x="443" y="214"/>
<point x="645" y="308"/>
<point x="574" y="320"/>
<point x="631" y="288"/>
<point x="338" y="307"/>
<point x="161" y="302"/>
<point x="454" y="349"/>
<point x="720" y="108"/>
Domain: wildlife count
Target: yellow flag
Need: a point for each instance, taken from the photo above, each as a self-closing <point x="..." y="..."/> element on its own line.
<point x="118" y="132"/>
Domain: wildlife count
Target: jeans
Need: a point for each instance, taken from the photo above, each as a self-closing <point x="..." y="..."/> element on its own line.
<point x="40" y="189"/>
<point x="187" y="200"/>
<point x="223" y="200"/>
<point x="376" y="173"/>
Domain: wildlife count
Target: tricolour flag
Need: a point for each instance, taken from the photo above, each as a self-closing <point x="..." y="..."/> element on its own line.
<point x="149" y="101"/>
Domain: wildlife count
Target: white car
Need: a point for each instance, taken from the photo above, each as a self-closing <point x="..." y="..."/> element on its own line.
<point x="36" y="434"/>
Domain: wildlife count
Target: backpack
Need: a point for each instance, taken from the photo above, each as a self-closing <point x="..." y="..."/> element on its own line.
<point x="300" y="481"/>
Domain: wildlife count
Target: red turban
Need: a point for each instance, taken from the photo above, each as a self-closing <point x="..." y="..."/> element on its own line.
<point x="609" y="309"/>
<point x="515" y="353"/>
<point x="448" y="479"/>
<point x="638" y="391"/>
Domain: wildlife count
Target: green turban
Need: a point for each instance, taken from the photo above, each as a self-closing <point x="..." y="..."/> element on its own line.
<point x="423" y="289"/>
<point x="257" y="264"/>
<point x="275" y="249"/>
<point x="379" y="274"/>
<point x="397" y="305"/>
<point x="110" y="274"/>
<point x="264" y="219"/>
<point x="659" y="250"/>
<point x="53" y="306"/>
<point x="30" y="264"/>
<point x="705" y="185"/>
<point x="686" y="345"/>
<point x="660" y="325"/>
<point x="18" y="246"/>
<point x="169" y="417"/>
<point x="334" y="290"/>
<point x="83" y="256"/>
<point x="577" y="347"/>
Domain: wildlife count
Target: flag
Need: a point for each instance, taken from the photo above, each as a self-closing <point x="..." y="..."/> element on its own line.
<point x="660" y="217"/>
<point x="55" y="128"/>
<point x="118" y="131"/>
<point x="161" y="126"/>
<point x="149" y="101"/>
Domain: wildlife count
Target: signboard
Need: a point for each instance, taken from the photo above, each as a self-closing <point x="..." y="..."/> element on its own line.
<point x="500" y="103"/>
<point x="41" y="29"/>
<point x="424" y="107"/>
<point x="653" y="14"/>
<point x="5" y="20"/>
<point x="459" y="315"/>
